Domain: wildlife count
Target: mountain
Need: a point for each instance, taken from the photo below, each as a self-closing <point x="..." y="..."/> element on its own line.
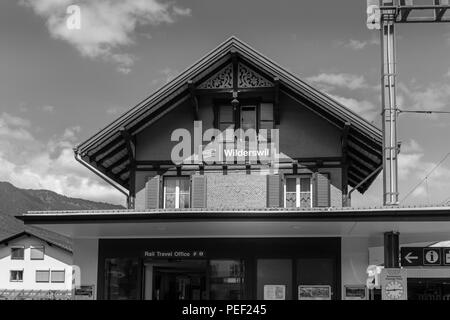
<point x="15" y="201"/>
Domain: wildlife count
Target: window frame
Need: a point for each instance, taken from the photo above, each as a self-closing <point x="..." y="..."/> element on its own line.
<point x="15" y="270"/>
<point x="64" y="276"/>
<point x="35" y="276"/>
<point x="18" y="247"/>
<point x="177" y="190"/>
<point x="261" y="121"/>
<point x="229" y="124"/>
<point x="256" y="102"/>
<point x="35" y="247"/>
<point x="244" y="102"/>
<point x="298" y="190"/>
<point x="250" y="105"/>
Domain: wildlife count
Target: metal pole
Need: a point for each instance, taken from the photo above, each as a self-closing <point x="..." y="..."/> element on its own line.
<point x="391" y="249"/>
<point x="389" y="109"/>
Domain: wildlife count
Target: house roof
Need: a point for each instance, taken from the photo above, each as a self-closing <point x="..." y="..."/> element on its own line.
<point x="53" y="242"/>
<point x="107" y="151"/>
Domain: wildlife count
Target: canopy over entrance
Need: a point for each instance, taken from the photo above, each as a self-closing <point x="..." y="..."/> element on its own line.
<point x="415" y="224"/>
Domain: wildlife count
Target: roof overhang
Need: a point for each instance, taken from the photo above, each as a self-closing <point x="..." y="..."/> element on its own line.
<point x="19" y="235"/>
<point x="107" y="150"/>
<point x="424" y="224"/>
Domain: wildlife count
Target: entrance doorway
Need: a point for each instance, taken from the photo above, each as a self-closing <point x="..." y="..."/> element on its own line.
<point x="192" y="279"/>
<point x="175" y="280"/>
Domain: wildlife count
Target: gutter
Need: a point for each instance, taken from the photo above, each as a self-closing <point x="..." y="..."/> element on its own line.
<point x="99" y="173"/>
<point x="407" y="215"/>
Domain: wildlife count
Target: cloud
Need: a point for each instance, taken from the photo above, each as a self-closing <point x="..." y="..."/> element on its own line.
<point x="166" y="75"/>
<point x="115" y="110"/>
<point x="364" y="108"/>
<point x="344" y="80"/>
<point x="28" y="162"/>
<point x="413" y="168"/>
<point x="433" y="96"/>
<point x="12" y="127"/>
<point x="340" y="85"/>
<point x="182" y="11"/>
<point x="358" y="44"/>
<point x="106" y="25"/>
<point x="412" y="146"/>
<point x="409" y="164"/>
<point x="448" y="73"/>
<point x="430" y="179"/>
<point x="48" y="108"/>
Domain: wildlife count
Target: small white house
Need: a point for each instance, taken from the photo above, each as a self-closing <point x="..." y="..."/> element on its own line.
<point x="34" y="268"/>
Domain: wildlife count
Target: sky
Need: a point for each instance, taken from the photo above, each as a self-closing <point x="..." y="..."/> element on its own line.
<point x="59" y="86"/>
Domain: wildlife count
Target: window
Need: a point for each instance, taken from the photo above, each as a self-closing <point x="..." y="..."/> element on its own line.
<point x="226" y="117"/>
<point x="176" y="192"/>
<point x="42" y="275"/>
<point x="58" y="276"/>
<point x="297" y="192"/>
<point x="121" y="279"/>
<point x="248" y="117"/>
<point x="17" y="253"/>
<point x="16" y="275"/>
<point x="37" y="253"/>
<point x="266" y="119"/>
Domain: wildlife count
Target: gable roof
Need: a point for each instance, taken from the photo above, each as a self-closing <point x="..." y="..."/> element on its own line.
<point x="107" y="151"/>
<point x="51" y="242"/>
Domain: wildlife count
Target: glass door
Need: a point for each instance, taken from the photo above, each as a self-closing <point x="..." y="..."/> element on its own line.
<point x="226" y="279"/>
<point x="175" y="280"/>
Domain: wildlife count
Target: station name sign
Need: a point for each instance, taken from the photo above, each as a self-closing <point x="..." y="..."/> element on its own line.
<point x="425" y="256"/>
<point x="170" y="254"/>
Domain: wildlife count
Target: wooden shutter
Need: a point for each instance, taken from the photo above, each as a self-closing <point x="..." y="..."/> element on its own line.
<point x="321" y="190"/>
<point x="274" y="191"/>
<point x="153" y="192"/>
<point x="198" y="193"/>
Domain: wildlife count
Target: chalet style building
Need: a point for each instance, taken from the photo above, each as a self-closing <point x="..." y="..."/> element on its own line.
<point x="238" y="177"/>
<point x="33" y="267"/>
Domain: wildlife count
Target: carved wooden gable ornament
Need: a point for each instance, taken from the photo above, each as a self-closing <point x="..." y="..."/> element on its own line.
<point x="246" y="78"/>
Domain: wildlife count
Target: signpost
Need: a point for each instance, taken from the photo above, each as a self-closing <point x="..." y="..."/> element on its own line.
<point x="432" y="256"/>
<point x="394" y="285"/>
<point x="425" y="256"/>
<point x="446" y="256"/>
<point x="411" y="257"/>
<point x="179" y="254"/>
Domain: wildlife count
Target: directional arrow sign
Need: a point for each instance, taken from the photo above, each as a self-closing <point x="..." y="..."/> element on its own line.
<point x="411" y="256"/>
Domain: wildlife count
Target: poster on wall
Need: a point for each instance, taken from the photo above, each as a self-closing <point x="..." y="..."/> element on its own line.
<point x="314" y="292"/>
<point x="85" y="292"/>
<point x="355" y="292"/>
<point x="274" y="292"/>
